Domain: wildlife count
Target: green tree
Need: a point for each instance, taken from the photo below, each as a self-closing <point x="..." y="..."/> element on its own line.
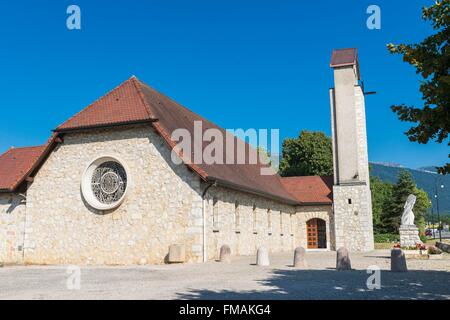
<point x="381" y="198"/>
<point x="308" y="155"/>
<point x="431" y="58"/>
<point x="264" y="155"/>
<point x="421" y="208"/>
<point x="445" y="220"/>
<point x="390" y="219"/>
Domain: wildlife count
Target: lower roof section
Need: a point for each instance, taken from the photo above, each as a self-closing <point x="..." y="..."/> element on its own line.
<point x="310" y="189"/>
<point x="15" y="164"/>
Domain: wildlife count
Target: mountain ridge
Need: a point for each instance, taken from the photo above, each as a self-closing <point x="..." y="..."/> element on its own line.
<point x="425" y="179"/>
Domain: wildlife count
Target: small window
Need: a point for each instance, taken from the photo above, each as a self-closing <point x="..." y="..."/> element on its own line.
<point x="255" y="220"/>
<point x="291" y="225"/>
<point x="349" y="201"/>
<point x="215" y="214"/>
<point x="281" y="223"/>
<point x="269" y="221"/>
<point x="237" y="216"/>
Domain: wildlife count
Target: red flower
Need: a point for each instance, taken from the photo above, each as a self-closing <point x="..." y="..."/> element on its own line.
<point x="421" y="246"/>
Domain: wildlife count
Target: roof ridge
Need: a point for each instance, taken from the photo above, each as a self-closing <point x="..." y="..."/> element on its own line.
<point x="165" y="115"/>
<point x="26" y="147"/>
<point x="97" y="100"/>
<point x="39" y="158"/>
<point x="19" y="162"/>
<point x="13" y="149"/>
<point x="176" y="102"/>
<point x="348" y="48"/>
<point x="196" y="114"/>
<point x="137" y="83"/>
<point x="325" y="176"/>
<point x="5" y="153"/>
<point x="161" y="130"/>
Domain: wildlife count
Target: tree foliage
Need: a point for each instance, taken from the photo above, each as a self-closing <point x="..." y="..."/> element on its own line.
<point x="264" y="155"/>
<point x="393" y="204"/>
<point x="308" y="155"/>
<point x="381" y="198"/>
<point x="431" y="58"/>
<point x="444" y="219"/>
<point x="421" y="208"/>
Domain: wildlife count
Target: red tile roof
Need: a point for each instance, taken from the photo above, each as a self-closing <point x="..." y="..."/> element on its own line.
<point x="15" y="164"/>
<point x="132" y="102"/>
<point x="172" y="116"/>
<point x="121" y="105"/>
<point x="310" y="190"/>
<point x="344" y="57"/>
<point x="135" y="101"/>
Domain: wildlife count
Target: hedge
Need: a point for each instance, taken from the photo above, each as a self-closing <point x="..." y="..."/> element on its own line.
<point x="386" y="237"/>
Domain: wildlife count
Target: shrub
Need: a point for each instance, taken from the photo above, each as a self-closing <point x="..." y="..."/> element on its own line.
<point x="423" y="238"/>
<point x="386" y="237"/>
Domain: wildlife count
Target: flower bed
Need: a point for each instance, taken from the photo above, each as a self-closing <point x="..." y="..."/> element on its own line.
<point x="419" y="251"/>
<point x="415" y="254"/>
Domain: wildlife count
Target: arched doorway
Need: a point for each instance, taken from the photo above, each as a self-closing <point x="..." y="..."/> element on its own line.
<point x="316" y="233"/>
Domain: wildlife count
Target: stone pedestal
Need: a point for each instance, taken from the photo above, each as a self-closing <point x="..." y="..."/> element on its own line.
<point x="398" y="261"/>
<point x="343" y="260"/>
<point x="177" y="253"/>
<point x="225" y="254"/>
<point x="262" y="257"/>
<point x="299" y="258"/>
<point x="409" y="236"/>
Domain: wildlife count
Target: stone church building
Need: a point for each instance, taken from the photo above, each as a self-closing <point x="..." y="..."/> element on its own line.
<point x="104" y="188"/>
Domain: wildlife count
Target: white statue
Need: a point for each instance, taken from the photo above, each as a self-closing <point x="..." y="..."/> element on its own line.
<point x="408" y="214"/>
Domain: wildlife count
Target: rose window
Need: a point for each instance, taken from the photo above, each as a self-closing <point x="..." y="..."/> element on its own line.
<point x="105" y="183"/>
<point x="109" y="182"/>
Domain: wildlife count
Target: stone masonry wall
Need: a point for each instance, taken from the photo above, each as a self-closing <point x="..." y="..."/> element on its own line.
<point x="363" y="158"/>
<point x="353" y="202"/>
<point x="12" y="223"/>
<point x="354" y="224"/>
<point x="285" y="230"/>
<point x="162" y="207"/>
<point x="353" y="221"/>
<point x="245" y="236"/>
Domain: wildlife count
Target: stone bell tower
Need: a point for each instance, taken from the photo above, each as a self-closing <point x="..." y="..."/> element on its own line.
<point x="352" y="201"/>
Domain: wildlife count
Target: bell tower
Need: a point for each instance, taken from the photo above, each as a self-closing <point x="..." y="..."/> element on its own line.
<point x="352" y="201"/>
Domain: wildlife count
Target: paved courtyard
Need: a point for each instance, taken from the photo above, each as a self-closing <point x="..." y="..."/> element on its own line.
<point x="241" y="279"/>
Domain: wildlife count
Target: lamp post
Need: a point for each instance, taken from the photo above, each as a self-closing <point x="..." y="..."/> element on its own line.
<point x="432" y="219"/>
<point x="437" y="208"/>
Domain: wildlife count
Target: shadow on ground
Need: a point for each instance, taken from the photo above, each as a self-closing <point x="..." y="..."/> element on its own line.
<point x="337" y="285"/>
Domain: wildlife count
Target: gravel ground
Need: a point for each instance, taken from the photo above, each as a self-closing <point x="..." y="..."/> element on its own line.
<point x="426" y="279"/>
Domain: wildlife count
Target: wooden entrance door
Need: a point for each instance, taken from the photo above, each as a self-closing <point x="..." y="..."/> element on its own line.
<point x="316" y="234"/>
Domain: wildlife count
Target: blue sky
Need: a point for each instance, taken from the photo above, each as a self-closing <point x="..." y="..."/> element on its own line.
<point x="242" y="64"/>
